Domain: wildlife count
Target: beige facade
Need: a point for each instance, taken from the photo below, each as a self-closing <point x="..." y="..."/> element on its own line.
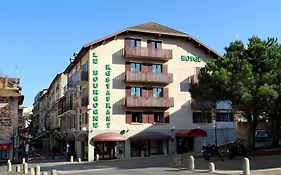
<point x="128" y="95"/>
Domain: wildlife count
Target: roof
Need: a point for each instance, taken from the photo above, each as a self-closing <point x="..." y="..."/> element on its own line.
<point x="54" y="80"/>
<point x="150" y="28"/>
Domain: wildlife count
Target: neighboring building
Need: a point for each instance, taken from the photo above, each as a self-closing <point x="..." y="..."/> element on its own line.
<point x="10" y="99"/>
<point x="128" y="95"/>
<point x="55" y="92"/>
<point x="24" y="130"/>
<point x="40" y="120"/>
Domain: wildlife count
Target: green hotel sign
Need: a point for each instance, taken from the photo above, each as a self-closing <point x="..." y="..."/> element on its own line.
<point x="190" y="58"/>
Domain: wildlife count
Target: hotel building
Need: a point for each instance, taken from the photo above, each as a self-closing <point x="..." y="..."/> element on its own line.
<point x="128" y="96"/>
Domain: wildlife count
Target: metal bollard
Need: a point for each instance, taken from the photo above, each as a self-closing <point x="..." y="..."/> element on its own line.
<point x="9" y="166"/>
<point x="71" y="159"/>
<point x="25" y="168"/>
<point x="98" y="158"/>
<point x="32" y="171"/>
<point x="211" y="167"/>
<point x="142" y="153"/>
<point x="54" y="172"/>
<point x="18" y="169"/>
<point x="79" y="160"/>
<point x="246" y="166"/>
<point x="44" y="173"/>
<point x="165" y="152"/>
<point x="23" y="161"/>
<point x="191" y="163"/>
<point x="37" y="170"/>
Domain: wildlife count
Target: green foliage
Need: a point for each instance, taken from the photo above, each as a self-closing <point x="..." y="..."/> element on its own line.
<point x="249" y="76"/>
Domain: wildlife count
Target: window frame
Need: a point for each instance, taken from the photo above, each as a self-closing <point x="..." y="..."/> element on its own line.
<point x="156" y="93"/>
<point x="134" y="92"/>
<point x="156" y="67"/>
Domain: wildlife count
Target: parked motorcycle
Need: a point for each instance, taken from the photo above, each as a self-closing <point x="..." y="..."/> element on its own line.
<point x="210" y="150"/>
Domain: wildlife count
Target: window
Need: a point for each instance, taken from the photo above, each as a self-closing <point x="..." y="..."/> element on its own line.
<point x="157" y="68"/>
<point x="154" y="44"/>
<point x="136" y="117"/>
<point x="136" y="91"/>
<point x="158" y="117"/>
<point x="157" y="92"/>
<point x="224" y="117"/>
<point x="133" y="42"/>
<point x="202" y="117"/>
<point x="136" y="67"/>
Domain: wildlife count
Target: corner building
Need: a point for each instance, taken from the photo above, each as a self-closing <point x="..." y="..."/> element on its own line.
<point x="138" y="99"/>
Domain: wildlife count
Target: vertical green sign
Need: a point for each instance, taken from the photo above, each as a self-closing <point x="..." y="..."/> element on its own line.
<point x="107" y="96"/>
<point x="95" y="91"/>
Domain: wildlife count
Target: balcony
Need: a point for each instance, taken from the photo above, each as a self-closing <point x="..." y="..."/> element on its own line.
<point x="69" y="87"/>
<point x="148" y="53"/>
<point x="197" y="104"/>
<point x="66" y="110"/>
<point x="79" y="77"/>
<point x="149" y="102"/>
<point x="81" y="102"/>
<point x="149" y="77"/>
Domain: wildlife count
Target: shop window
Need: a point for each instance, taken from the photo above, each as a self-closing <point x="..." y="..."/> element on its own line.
<point x="157" y="92"/>
<point x="136" y="67"/>
<point x="157" y="68"/>
<point x="224" y="117"/>
<point x="136" y="117"/>
<point x="202" y="117"/>
<point x="136" y="91"/>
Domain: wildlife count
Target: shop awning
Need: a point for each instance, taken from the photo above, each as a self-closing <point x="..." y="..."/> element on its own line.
<point x="108" y="136"/>
<point x="82" y="137"/>
<point x="5" y="146"/>
<point x="191" y="133"/>
<point x="150" y="136"/>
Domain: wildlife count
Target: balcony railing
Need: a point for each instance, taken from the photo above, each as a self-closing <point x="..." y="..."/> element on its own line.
<point x="161" y="102"/>
<point x="66" y="109"/>
<point x="149" y="77"/>
<point x="197" y="104"/>
<point x="81" y="102"/>
<point x="69" y="87"/>
<point x="148" y="53"/>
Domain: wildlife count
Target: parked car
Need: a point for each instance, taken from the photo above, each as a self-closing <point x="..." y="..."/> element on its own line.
<point x="261" y="135"/>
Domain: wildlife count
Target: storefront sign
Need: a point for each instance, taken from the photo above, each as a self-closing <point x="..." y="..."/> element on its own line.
<point x="190" y="58"/>
<point x="95" y="91"/>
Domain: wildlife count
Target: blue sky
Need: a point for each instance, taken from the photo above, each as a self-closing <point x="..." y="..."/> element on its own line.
<point x="39" y="37"/>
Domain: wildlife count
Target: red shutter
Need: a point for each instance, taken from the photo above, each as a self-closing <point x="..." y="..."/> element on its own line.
<point x="128" y="118"/>
<point x="127" y="66"/>
<point x="127" y="42"/>
<point x="166" y="117"/>
<point x="149" y="67"/>
<point x="150" y="92"/>
<point x="145" y="117"/>
<point x="150" y="118"/>
<point x="159" y="45"/>
<point x="138" y="43"/>
<point x="165" y="68"/>
<point x="149" y="45"/>
<point x="144" y="92"/>
<point x="143" y="67"/>
<point x="128" y="91"/>
<point x="165" y="92"/>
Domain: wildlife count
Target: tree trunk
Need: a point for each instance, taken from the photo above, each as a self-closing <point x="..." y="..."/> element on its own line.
<point x="252" y="125"/>
<point x="275" y="125"/>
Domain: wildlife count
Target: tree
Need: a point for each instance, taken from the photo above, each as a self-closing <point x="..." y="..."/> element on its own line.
<point x="245" y="77"/>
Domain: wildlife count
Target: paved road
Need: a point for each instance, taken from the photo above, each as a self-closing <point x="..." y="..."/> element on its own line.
<point x="159" y="166"/>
